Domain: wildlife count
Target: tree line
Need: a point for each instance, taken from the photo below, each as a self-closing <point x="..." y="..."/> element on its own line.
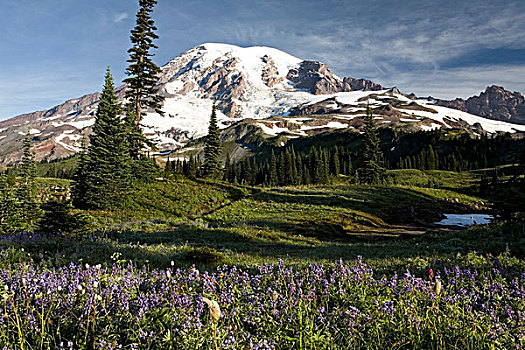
<point x="362" y="158"/>
<point x="288" y="167"/>
<point x="437" y="150"/>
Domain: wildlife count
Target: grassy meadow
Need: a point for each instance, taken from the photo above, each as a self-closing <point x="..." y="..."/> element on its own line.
<point x="336" y="266"/>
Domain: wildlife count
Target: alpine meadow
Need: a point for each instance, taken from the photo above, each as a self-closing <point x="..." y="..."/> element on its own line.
<point x="240" y="197"/>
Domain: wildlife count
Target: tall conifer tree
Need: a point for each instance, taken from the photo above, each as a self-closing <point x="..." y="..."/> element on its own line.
<point x="373" y="171"/>
<point x="29" y="207"/>
<point x="10" y="216"/>
<point x="212" y="147"/>
<point x="79" y="185"/>
<point x="107" y="164"/>
<point x="274" y="176"/>
<point x="143" y="75"/>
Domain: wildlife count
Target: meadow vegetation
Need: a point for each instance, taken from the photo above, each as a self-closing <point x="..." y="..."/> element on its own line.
<point x="332" y="266"/>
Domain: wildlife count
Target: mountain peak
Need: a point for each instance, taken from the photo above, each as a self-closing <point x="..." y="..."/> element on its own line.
<point x="247" y="82"/>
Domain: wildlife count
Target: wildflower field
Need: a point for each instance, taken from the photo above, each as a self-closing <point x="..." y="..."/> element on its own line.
<point x="341" y="306"/>
<point x="295" y="268"/>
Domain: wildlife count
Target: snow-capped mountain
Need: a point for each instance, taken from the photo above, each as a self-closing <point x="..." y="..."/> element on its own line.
<point x="252" y="82"/>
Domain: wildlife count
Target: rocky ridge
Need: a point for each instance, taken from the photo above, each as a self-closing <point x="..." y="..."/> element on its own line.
<point x="494" y="103"/>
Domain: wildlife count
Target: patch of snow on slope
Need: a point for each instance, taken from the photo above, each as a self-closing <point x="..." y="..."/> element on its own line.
<point x="81" y="124"/>
<point x="273" y="131"/>
<point x="332" y="125"/>
<point x="345" y="117"/>
<point x="187" y="114"/>
<point x="52" y="118"/>
<point x="298" y="120"/>
<point x="348" y="98"/>
<point x="59" y="139"/>
<point x="432" y="126"/>
<point x="488" y="125"/>
<point x="352" y="97"/>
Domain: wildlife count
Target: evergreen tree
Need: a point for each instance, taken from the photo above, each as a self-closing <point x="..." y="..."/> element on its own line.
<point x="212" y="148"/>
<point x="373" y="171"/>
<point x="315" y="166"/>
<point x="79" y="186"/>
<point x="10" y="217"/>
<point x="298" y="168"/>
<point x="26" y="192"/>
<point x="325" y="166"/>
<point x="431" y="158"/>
<point x="143" y="75"/>
<point x="107" y="164"/>
<point x="274" y="177"/>
<point x="334" y="162"/>
<point x="349" y="167"/>
<point x="246" y="171"/>
<point x="58" y="218"/>
<point x="288" y="168"/>
<point x="192" y="167"/>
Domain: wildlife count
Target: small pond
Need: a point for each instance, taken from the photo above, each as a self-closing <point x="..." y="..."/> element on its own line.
<point x="465" y="220"/>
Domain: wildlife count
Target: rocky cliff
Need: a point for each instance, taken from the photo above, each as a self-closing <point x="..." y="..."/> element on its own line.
<point x="494" y="103"/>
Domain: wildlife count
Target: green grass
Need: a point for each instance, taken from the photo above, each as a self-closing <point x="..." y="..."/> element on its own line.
<point x="211" y="223"/>
<point x="458" y="181"/>
<point x="162" y="204"/>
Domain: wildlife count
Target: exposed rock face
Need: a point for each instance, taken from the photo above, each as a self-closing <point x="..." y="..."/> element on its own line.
<point x="330" y="105"/>
<point x="352" y="84"/>
<point x="71" y="107"/>
<point x="315" y="77"/>
<point x="225" y="83"/>
<point x="270" y="73"/>
<point x="494" y="103"/>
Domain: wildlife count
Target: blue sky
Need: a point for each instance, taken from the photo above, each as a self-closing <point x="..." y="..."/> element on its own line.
<point x="53" y="50"/>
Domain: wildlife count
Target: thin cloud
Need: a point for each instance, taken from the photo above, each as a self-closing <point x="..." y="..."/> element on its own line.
<point x="120" y="17"/>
